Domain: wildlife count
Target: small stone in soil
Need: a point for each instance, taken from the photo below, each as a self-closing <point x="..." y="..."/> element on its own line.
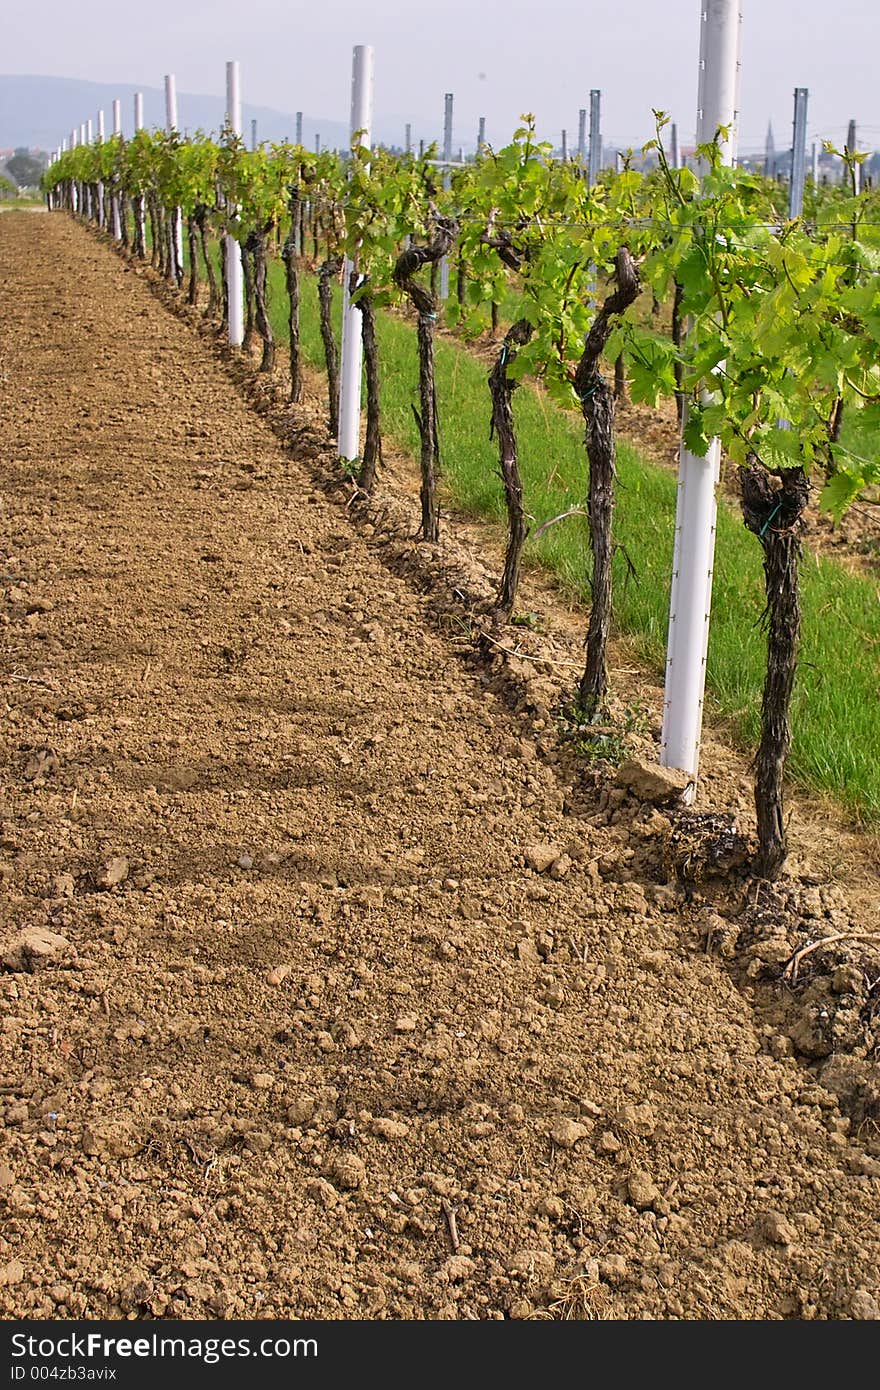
<point x="34" y="948"/>
<point x="541" y="857"/>
<point x="111" y="874"/>
<point x="566" y="1133"/>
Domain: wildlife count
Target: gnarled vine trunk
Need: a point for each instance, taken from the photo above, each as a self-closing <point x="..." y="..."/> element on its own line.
<point x="425" y="303"/>
<point x="139" y="227"/>
<point x="192" y="294"/>
<point x="247" y="273"/>
<point x="774" y="514"/>
<point x="257" y="244"/>
<point x="155" y="238"/>
<point x="501" y="389"/>
<point x="597" y="405"/>
<point x="201" y="218"/>
<point x="372" y="455"/>
<point x="328" y="272"/>
<point x="224" y="282"/>
<point x="290" y="257"/>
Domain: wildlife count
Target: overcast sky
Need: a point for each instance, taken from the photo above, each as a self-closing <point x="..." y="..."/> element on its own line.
<point x="498" y="57"/>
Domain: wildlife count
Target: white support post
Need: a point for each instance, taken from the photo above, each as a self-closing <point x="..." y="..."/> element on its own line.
<point x="851" y="147"/>
<point x="114" y="201"/>
<point x="234" y="273"/>
<point x="695" y="518"/>
<point x="407" y="138"/>
<point x="90" y="210"/>
<point x="798" y="154"/>
<point x="447" y="183"/>
<point x="100" y="182"/>
<point x="797" y="173"/>
<point x="565" y="147"/>
<point x="351" y="356"/>
<point x="176" y="234"/>
<point x="594" y="162"/>
<point x="139" y="212"/>
<point x="253" y="134"/>
<point x="481" y="135"/>
<point x="299" y="127"/>
<point x="74" y="186"/>
<point x="674" y="153"/>
<point x="595" y="150"/>
<point x="582" y="134"/>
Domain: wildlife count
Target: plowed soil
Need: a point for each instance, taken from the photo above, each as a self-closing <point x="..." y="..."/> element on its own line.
<point x="333" y="984"/>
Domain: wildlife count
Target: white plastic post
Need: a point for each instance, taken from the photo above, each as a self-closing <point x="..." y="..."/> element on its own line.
<point x="176" y="246"/>
<point x="140" y="214"/>
<point x="351" y="355"/>
<point x="299" y="127"/>
<point x="851" y="147"/>
<point x="74" y="185"/>
<point x="87" y="188"/>
<point x="100" y="182"/>
<point x="695" y="518"/>
<point x="595" y="155"/>
<point x="447" y="183"/>
<point x="407" y="138"/>
<point x="797" y="172"/>
<point x="565" y="147"/>
<point x="582" y="134"/>
<point x="114" y="201"/>
<point x="594" y="162"/>
<point x="798" y="153"/>
<point x="253" y="134"/>
<point x="170" y="102"/>
<point x="481" y="135"/>
<point x="234" y="275"/>
<point x="674" y="154"/>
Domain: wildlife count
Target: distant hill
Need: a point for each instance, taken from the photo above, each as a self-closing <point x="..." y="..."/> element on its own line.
<point x="38" y="112"/>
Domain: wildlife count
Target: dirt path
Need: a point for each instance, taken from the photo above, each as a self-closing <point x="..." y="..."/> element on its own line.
<point x="293" y="1024"/>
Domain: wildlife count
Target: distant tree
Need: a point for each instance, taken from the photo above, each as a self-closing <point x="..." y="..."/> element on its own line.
<point x="7" y="188"/>
<point x="24" y="168"/>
